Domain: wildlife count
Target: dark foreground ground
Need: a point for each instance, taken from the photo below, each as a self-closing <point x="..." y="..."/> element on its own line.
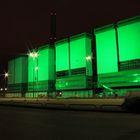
<point x="18" y="123"/>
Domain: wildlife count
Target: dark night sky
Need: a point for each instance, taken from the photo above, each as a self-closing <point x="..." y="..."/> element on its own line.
<point x="27" y="23"/>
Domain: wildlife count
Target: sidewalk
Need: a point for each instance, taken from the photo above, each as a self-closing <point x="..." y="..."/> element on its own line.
<point x="107" y="104"/>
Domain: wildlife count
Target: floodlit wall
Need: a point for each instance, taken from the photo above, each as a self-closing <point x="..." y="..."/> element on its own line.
<point x="106" y="49"/>
<point x="41" y="70"/>
<point x="11" y="71"/>
<point x="126" y="72"/>
<point x="120" y="79"/>
<point x="80" y="49"/>
<point x="77" y="52"/>
<point x="62" y="55"/>
<point x="17" y="79"/>
<point x="73" y="69"/>
<point x="43" y="64"/>
<point x="129" y="40"/>
<point x="18" y="70"/>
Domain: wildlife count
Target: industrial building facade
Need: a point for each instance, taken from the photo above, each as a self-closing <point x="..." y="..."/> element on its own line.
<point x="66" y="69"/>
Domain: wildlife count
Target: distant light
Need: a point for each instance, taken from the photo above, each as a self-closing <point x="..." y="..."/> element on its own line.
<point x="5" y="89"/>
<point x="60" y="93"/>
<point x="6" y="74"/>
<point x="88" y="58"/>
<point x="33" y="54"/>
<point x="36" y="68"/>
<point x="1" y="89"/>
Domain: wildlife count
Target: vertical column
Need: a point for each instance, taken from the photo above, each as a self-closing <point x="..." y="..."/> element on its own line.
<point x="94" y="64"/>
<point x="117" y="45"/>
<point x="53" y="39"/>
<point x="52" y="28"/>
<point x="69" y="56"/>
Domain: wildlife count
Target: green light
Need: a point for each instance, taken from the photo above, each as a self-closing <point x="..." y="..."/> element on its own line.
<point x="62" y="55"/>
<point x="18" y="73"/>
<point x="129" y="41"/>
<point x="43" y="64"/>
<point x="78" y="52"/>
<point x="106" y="51"/>
<point x="41" y="69"/>
<point x="31" y="65"/>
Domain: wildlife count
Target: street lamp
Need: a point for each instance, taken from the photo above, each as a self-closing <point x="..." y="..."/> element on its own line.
<point x="6" y="75"/>
<point x="6" y="80"/>
<point x="34" y="55"/>
<point x="88" y="57"/>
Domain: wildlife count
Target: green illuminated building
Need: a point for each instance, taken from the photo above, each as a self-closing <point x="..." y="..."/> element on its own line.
<point x="118" y="55"/>
<point x="17" y="71"/>
<point x="74" y="62"/>
<point x="41" y="70"/>
<point x="68" y="66"/>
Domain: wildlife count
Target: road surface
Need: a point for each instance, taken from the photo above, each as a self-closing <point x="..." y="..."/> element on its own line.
<point x="17" y="123"/>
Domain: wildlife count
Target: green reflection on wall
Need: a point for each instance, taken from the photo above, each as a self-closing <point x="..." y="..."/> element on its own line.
<point x="106" y="51"/>
<point x="129" y="41"/>
<point x="78" y="52"/>
<point x="62" y="55"/>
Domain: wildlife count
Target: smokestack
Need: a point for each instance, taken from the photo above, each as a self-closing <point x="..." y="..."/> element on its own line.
<point x="52" y="28"/>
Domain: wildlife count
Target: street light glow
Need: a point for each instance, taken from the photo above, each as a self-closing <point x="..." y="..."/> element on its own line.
<point x="88" y="57"/>
<point x="6" y="74"/>
<point x="36" y="68"/>
<point x="5" y="89"/>
<point x="1" y="89"/>
<point x="33" y="54"/>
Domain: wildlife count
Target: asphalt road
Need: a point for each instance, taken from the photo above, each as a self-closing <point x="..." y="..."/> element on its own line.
<point x="40" y="124"/>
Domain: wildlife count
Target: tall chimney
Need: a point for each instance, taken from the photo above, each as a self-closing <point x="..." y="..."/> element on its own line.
<point x="52" y="28"/>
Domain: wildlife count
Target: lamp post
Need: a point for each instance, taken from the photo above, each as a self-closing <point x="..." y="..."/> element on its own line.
<point x="34" y="56"/>
<point x="89" y="67"/>
<point x="88" y="59"/>
<point x="6" y="80"/>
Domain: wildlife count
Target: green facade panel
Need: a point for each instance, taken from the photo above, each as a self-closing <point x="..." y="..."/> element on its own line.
<point x="41" y="70"/>
<point x="129" y="40"/>
<point x="43" y="64"/>
<point x="89" y="54"/>
<point x="17" y="79"/>
<point x="74" y="55"/>
<point x="62" y="55"/>
<point x="80" y="49"/>
<point x="106" y="48"/>
<point x="73" y="82"/>
<point x="11" y="71"/>
<point x="77" y="52"/>
<point x="120" y="79"/>
<point x="18" y="69"/>
<point x="77" y="94"/>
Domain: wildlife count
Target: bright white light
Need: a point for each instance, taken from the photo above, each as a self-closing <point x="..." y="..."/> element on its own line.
<point x="5" y="89"/>
<point x="33" y="54"/>
<point x="1" y="89"/>
<point x="36" y="68"/>
<point x="88" y="58"/>
<point x="6" y="74"/>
